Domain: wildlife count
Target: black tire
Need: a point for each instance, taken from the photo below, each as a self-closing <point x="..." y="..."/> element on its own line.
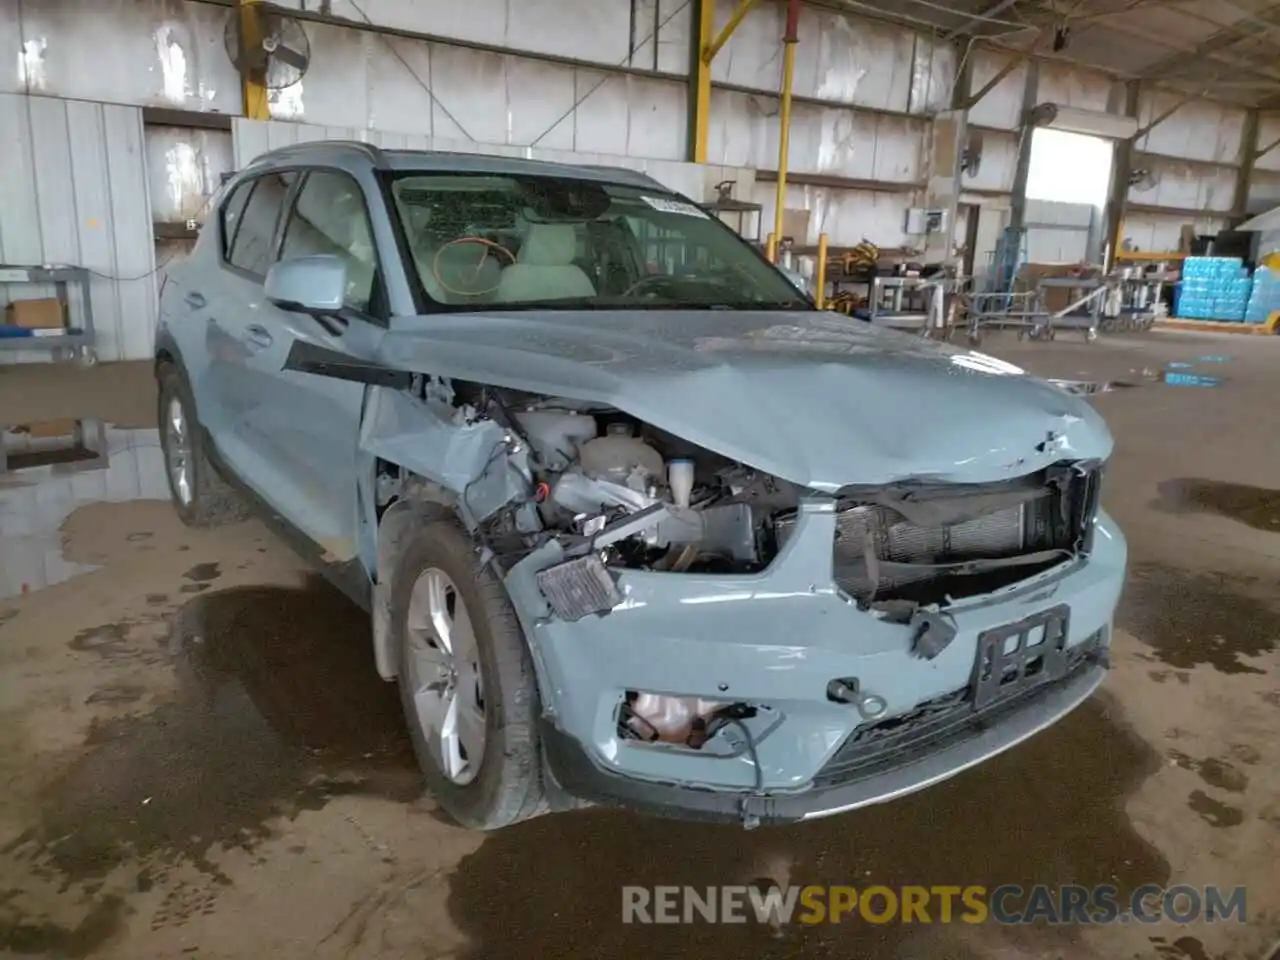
<point x="213" y="500"/>
<point x="508" y="787"/>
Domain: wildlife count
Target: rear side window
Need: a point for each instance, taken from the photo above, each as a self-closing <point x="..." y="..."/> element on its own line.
<point x="231" y="213"/>
<point x="252" y="246"/>
<point x="330" y="217"/>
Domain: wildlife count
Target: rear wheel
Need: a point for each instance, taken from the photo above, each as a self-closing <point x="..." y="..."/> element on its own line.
<point x="200" y="496"/>
<point x="466" y="681"/>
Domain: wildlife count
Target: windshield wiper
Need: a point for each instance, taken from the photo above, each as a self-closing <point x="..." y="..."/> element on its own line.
<point x="596" y="303"/>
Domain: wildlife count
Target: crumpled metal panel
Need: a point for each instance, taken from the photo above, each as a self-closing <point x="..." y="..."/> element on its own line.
<point x="789" y="395"/>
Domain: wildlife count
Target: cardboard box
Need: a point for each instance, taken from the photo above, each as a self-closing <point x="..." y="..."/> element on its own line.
<point x="43" y="314"/>
<point x="1055" y="298"/>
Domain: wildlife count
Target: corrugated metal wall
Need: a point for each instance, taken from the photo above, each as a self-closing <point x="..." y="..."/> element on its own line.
<point x="73" y="190"/>
<point x="1056" y="232"/>
<point x="254" y="137"/>
<point x="1060" y="232"/>
<point x="868" y="91"/>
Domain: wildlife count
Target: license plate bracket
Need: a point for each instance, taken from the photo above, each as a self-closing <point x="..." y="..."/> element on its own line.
<point x="1018" y="656"/>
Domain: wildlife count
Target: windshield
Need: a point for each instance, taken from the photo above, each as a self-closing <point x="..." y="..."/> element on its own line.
<point x="479" y="241"/>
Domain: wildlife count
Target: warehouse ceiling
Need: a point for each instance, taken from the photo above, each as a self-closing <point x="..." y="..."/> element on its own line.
<point x="1213" y="48"/>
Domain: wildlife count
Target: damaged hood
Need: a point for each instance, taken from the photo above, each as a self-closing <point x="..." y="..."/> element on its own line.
<point x="813" y="398"/>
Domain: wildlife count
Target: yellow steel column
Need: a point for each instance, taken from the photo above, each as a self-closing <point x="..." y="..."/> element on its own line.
<point x="702" y="81"/>
<point x="253" y="79"/>
<point x="789" y="40"/>
<point x="820" y="274"/>
<point x="709" y="44"/>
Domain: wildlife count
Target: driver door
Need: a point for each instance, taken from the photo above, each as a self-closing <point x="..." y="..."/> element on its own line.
<point x="312" y="422"/>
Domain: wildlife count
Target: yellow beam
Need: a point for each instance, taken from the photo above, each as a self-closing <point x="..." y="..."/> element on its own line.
<point x="253" y="81"/>
<point x="820" y="274"/>
<point x="702" y="81"/>
<point x="710" y="50"/>
<point x="789" y="40"/>
<point x="709" y="44"/>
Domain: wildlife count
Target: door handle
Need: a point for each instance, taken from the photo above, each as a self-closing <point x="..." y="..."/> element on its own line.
<point x="258" y="335"/>
<point x="195" y="300"/>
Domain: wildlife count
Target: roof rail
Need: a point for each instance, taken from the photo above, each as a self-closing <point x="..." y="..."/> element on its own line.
<point x="631" y="172"/>
<point x="368" y="150"/>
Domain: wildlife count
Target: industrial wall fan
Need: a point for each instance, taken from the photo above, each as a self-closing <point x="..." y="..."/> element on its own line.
<point x="266" y="45"/>
<point x="1143" y="179"/>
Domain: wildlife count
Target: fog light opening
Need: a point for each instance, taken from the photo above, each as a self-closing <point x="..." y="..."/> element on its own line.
<point x="686" y="721"/>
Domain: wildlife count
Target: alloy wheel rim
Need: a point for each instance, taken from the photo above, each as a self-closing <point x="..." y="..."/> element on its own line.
<point x="444" y="676"/>
<point x="178" y="451"/>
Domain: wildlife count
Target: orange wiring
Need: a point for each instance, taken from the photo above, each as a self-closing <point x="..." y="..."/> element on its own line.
<point x="435" y="264"/>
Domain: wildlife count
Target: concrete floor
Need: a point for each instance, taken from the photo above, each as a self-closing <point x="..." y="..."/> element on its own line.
<point x="197" y="759"/>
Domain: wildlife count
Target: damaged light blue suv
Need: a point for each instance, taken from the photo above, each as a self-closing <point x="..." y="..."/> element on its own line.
<point x="635" y="523"/>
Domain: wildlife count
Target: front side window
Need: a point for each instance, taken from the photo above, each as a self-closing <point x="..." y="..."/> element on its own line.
<point x="252" y="246"/>
<point x="480" y="241"/>
<point x="232" y="210"/>
<point x="330" y="217"/>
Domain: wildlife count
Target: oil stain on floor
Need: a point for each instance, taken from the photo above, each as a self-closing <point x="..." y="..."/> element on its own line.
<point x="1258" y="507"/>
<point x="1049" y="811"/>
<point x="278" y="710"/>
<point x="1189" y="619"/>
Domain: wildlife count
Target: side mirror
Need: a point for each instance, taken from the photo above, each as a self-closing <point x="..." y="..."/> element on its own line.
<point x="316" y="285"/>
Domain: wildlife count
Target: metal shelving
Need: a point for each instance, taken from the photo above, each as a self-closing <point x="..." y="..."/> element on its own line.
<point x="77" y="342"/>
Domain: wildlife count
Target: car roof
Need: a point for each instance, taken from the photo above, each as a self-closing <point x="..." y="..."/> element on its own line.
<point x="355" y="155"/>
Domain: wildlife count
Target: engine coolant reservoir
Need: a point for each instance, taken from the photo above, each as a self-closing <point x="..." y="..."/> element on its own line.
<point x="556" y="435"/>
<point x="619" y="457"/>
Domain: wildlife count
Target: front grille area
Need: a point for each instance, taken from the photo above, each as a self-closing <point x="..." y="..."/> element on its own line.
<point x="876" y="546"/>
<point x="937" y="723"/>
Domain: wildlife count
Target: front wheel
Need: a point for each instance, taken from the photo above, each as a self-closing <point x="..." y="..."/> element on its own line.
<point x="200" y="496"/>
<point x="466" y="681"/>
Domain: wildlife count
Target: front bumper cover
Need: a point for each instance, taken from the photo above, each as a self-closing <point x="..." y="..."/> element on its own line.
<point x="775" y="640"/>
<point x="979" y="737"/>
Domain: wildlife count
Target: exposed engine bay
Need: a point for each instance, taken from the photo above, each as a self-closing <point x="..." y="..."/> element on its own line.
<point x="621" y="494"/>
<point x="618" y="494"/>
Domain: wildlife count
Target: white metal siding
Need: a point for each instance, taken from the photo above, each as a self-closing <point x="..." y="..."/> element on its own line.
<point x="170" y="53"/>
<point x="1199" y="130"/>
<point x="1161" y="232"/>
<point x="184" y="170"/>
<point x="165" y="53"/>
<point x="1186" y="184"/>
<point x="73" y="190"/>
<point x="1059" y="232"/>
<point x="254" y="137"/>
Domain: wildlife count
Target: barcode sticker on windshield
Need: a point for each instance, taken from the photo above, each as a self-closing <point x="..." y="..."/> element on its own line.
<point x="663" y="205"/>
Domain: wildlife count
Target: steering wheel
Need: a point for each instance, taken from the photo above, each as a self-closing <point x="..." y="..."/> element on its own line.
<point x="650" y="280"/>
<point x="718" y="280"/>
<point x="487" y="245"/>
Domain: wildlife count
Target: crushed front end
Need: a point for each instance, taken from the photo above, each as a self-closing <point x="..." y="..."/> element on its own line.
<point x="715" y="642"/>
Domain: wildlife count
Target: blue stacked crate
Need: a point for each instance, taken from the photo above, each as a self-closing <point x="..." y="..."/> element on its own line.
<point x="1265" y="297"/>
<point x="1214" y="288"/>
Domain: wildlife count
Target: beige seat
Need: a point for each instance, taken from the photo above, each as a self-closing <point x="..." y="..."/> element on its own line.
<point x="544" y="268"/>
